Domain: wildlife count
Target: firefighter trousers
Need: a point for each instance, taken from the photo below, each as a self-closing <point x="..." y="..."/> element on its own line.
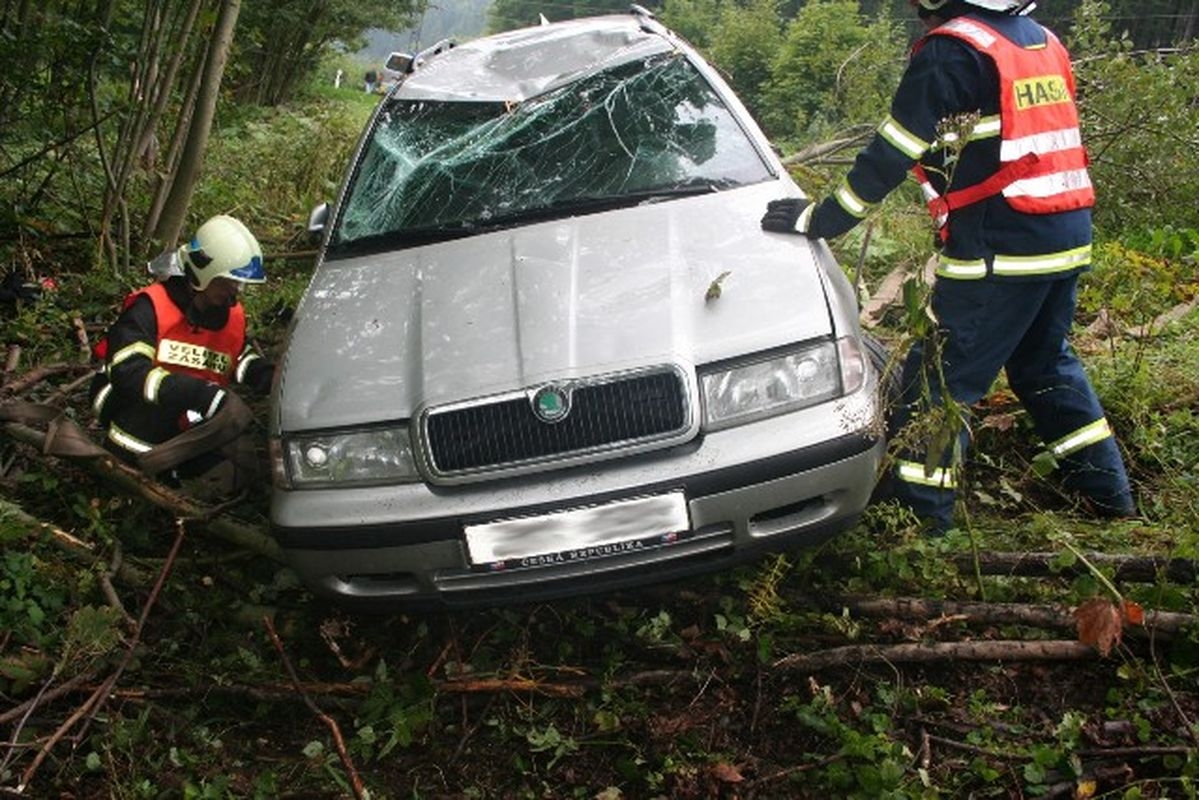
<point x="1022" y="328"/>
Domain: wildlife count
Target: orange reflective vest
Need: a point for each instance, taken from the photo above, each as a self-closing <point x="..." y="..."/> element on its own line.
<point x="186" y="348"/>
<point x="1042" y="160"/>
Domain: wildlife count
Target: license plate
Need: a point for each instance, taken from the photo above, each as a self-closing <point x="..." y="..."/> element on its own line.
<point x="579" y="534"/>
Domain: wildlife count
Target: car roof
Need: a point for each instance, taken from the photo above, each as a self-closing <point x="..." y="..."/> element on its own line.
<point x="517" y="65"/>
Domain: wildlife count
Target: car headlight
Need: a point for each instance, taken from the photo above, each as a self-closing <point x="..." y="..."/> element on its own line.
<point x="784" y="382"/>
<point x="344" y="458"/>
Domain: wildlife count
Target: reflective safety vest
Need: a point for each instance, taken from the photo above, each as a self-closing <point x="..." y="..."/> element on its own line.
<point x="190" y="349"/>
<point x="134" y="426"/>
<point x="1043" y="165"/>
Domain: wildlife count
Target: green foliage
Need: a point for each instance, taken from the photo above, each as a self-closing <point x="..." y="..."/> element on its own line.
<point x="743" y="40"/>
<point x="31" y="598"/>
<point x="833" y="69"/>
<point x="1140" y="124"/>
<point x="280" y="43"/>
<point x="270" y="168"/>
<point x="1135" y="287"/>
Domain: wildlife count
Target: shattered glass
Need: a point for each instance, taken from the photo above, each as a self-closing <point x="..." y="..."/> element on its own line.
<point x="642" y="131"/>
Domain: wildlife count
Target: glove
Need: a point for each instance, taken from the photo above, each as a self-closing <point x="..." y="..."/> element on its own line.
<point x="789" y="215"/>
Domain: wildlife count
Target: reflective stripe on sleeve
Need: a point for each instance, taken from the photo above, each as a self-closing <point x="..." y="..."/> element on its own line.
<point x="985" y="128"/>
<point x="154" y="379"/>
<point x="901" y="139"/>
<point x="1085" y="436"/>
<point x="130" y="350"/>
<point x="131" y="443"/>
<point x="849" y="200"/>
<point x="244" y="364"/>
<point x="101" y="398"/>
<point x="805" y="219"/>
<point x="911" y="472"/>
<point x="216" y="402"/>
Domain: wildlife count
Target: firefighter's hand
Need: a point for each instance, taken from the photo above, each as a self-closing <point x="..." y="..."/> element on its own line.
<point x="789" y="215"/>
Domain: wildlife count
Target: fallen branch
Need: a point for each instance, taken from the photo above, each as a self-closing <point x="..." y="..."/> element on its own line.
<point x="76" y="549"/>
<point x="518" y="685"/>
<point x="1105" y="327"/>
<point x="100" y="696"/>
<point x="1164" y="625"/>
<point x="1040" y="565"/>
<point x="137" y="484"/>
<point x="36" y="376"/>
<point x="338" y="741"/>
<point x="998" y="650"/>
<point x="814" y="154"/>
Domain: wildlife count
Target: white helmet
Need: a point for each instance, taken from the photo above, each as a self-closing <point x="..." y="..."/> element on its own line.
<point x="990" y="5"/>
<point x="222" y="248"/>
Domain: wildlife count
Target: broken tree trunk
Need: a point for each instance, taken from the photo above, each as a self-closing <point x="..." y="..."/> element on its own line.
<point x="1163" y="625"/>
<point x="997" y="650"/>
<point x="133" y="482"/>
<point x="1039" y="565"/>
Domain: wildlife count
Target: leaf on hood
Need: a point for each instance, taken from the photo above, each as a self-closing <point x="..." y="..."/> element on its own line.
<point x="714" y="287"/>
<point x="1099" y="624"/>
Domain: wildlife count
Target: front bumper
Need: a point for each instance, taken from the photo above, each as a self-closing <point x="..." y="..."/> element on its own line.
<point x="793" y="499"/>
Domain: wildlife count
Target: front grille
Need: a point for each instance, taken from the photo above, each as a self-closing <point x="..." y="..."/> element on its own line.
<point x="606" y="413"/>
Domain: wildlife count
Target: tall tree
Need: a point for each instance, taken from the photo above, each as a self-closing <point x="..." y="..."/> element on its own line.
<point x="281" y="41"/>
<point x="183" y="181"/>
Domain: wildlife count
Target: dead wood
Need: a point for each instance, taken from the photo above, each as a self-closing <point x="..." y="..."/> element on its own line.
<point x="137" y="484"/>
<point x="36" y="376"/>
<point x="517" y="685"/>
<point x="890" y="291"/>
<point x="97" y="699"/>
<point x="998" y="650"/>
<point x="821" y="151"/>
<point x="328" y="721"/>
<point x="1040" y="565"/>
<point x="1163" y="625"/>
<point x="74" y="548"/>
<point x="1105" y="327"/>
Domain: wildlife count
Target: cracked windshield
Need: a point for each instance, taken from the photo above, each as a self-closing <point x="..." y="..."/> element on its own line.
<point x="644" y="130"/>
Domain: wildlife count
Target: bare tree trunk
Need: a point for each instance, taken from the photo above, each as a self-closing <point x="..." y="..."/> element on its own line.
<point x="170" y="223"/>
<point x="171" y="163"/>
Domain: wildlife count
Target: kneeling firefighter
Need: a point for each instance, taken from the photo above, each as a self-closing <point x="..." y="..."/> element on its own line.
<point x="164" y="393"/>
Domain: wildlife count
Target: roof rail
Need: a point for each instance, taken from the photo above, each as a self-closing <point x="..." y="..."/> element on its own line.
<point x="647" y="21"/>
<point x="437" y="49"/>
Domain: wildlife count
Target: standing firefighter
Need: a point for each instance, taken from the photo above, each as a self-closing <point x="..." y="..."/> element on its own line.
<point x="165" y="393"/>
<point x="1012" y="200"/>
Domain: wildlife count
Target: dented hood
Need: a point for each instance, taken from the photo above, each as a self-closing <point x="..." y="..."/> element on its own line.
<point x="377" y="337"/>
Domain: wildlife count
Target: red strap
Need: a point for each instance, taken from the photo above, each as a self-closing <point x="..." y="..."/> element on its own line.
<point x="1008" y="174"/>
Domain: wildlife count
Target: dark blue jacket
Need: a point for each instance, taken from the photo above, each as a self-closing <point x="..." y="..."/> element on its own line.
<point x="946" y="77"/>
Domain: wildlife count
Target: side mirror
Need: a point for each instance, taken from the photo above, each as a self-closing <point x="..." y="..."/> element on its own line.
<point x="317" y="220"/>
<point x="400" y="62"/>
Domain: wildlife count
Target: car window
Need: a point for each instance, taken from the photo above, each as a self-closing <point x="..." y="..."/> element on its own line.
<point x="653" y="127"/>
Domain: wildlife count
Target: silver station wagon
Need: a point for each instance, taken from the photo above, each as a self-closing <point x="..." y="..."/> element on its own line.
<point x="548" y="349"/>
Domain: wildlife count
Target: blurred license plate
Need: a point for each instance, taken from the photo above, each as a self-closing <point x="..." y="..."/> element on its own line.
<point x="579" y="534"/>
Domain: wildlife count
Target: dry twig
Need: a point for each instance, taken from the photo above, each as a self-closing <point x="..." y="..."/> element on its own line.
<point x="335" y="731"/>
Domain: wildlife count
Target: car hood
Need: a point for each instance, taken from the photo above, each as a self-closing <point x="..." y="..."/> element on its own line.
<point x="692" y="281"/>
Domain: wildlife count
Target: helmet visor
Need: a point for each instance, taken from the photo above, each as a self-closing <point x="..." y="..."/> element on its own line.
<point x="251" y="272"/>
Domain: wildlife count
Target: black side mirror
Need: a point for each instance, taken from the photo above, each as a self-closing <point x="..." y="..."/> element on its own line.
<point x="317" y="220"/>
